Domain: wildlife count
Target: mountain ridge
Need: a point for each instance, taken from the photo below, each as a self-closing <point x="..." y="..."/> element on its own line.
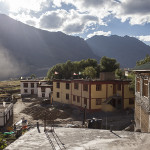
<point x="126" y="50"/>
<point x="25" y="50"/>
<point x="36" y="49"/>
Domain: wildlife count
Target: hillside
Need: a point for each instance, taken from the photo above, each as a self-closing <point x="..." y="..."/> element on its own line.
<point x="127" y="50"/>
<point x="26" y="50"/>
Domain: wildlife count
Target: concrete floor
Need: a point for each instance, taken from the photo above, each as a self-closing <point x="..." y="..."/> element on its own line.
<point x="81" y="139"/>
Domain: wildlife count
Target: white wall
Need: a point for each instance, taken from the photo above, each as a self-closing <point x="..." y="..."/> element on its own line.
<point x="29" y="87"/>
<point x="47" y="92"/>
<point x="5" y="112"/>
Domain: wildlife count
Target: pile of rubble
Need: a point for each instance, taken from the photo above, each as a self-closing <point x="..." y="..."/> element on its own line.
<point x="39" y="112"/>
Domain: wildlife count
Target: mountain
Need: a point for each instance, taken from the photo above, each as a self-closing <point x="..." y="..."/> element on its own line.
<point x="26" y="50"/>
<point x="126" y="50"/>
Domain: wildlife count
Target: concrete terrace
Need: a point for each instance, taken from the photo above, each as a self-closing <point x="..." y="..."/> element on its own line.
<point x="81" y="139"/>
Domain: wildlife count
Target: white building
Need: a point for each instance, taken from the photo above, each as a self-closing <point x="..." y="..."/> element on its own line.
<point x="45" y="90"/>
<point x="30" y="87"/>
<point x="6" y="113"/>
<point x="36" y="87"/>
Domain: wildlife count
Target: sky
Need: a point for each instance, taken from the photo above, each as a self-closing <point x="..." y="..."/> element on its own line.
<point x="84" y="18"/>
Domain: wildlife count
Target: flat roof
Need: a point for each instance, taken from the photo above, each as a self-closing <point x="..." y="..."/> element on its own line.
<point x="82" y="139"/>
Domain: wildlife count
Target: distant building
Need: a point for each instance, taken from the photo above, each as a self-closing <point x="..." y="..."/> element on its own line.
<point x="142" y="97"/>
<point x="104" y="94"/>
<point x="6" y="114"/>
<point x="36" y="87"/>
<point x="45" y="90"/>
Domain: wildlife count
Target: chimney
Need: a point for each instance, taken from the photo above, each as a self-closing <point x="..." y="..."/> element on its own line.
<point x="107" y="75"/>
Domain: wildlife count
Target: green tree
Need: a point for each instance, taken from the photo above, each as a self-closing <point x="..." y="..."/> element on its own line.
<point x="33" y="76"/>
<point x="55" y="72"/>
<point x="120" y="74"/>
<point x="132" y="83"/>
<point x="66" y="70"/>
<point x="89" y="72"/>
<point x="2" y="141"/>
<point x="143" y="61"/>
<point x="108" y="64"/>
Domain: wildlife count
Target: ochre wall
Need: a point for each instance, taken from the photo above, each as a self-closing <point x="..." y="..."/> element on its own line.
<point x="105" y="92"/>
<point x="98" y="94"/>
<point x="55" y="90"/>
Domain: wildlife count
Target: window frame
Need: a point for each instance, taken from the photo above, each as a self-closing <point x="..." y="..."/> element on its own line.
<point x="78" y="99"/>
<point x="67" y="96"/>
<point x="58" y="95"/>
<point x="98" y="101"/>
<point x="85" y="87"/>
<point x="76" y="86"/>
<point x="98" y="87"/>
<point x="25" y="85"/>
<point x="67" y="86"/>
<point x="58" y="85"/>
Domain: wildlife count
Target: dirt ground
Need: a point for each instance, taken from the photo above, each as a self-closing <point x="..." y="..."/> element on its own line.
<point x="61" y="115"/>
<point x="33" y="110"/>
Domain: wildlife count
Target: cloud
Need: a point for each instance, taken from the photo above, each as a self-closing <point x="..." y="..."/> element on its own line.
<point x="9" y="66"/>
<point x="17" y="5"/>
<point x="136" y="7"/>
<point x="26" y="18"/>
<point x="145" y="38"/>
<point x="99" y="33"/>
<point x="137" y="12"/>
<point x="74" y="28"/>
<point x="69" y="22"/>
<point x="53" y="19"/>
<point x="4" y="7"/>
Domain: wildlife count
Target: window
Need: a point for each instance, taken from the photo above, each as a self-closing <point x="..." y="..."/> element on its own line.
<point x="137" y="84"/>
<point x="98" y="87"/>
<point x="67" y="85"/>
<point x="74" y="98"/>
<point x="37" y="84"/>
<point x="145" y="88"/>
<point x="76" y="86"/>
<point x="42" y="89"/>
<point x="131" y="101"/>
<point x="32" y="85"/>
<point x="43" y="94"/>
<point x="25" y="84"/>
<point x="85" y="87"/>
<point x="25" y="91"/>
<point x="57" y="85"/>
<point x="57" y="94"/>
<point x="119" y="87"/>
<point x="98" y="101"/>
<point x="32" y="91"/>
<point x="78" y="99"/>
<point x="67" y="96"/>
<point x="85" y="101"/>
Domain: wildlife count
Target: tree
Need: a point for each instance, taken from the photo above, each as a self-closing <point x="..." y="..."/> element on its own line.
<point x="132" y="83"/>
<point x="89" y="72"/>
<point x="66" y="70"/>
<point x="2" y="141"/>
<point x="119" y="74"/>
<point x="108" y="64"/>
<point x="143" y="61"/>
<point x="33" y="76"/>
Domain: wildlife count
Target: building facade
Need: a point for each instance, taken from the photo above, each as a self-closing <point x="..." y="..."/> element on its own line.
<point x="95" y="94"/>
<point x="45" y="90"/>
<point x="6" y="114"/>
<point x="36" y="87"/>
<point x="29" y="87"/>
<point x="142" y="98"/>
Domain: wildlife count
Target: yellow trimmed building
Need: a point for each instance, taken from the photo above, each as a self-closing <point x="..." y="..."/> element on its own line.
<point x="105" y="95"/>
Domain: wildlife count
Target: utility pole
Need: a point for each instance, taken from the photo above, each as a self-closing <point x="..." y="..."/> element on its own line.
<point x="84" y="115"/>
